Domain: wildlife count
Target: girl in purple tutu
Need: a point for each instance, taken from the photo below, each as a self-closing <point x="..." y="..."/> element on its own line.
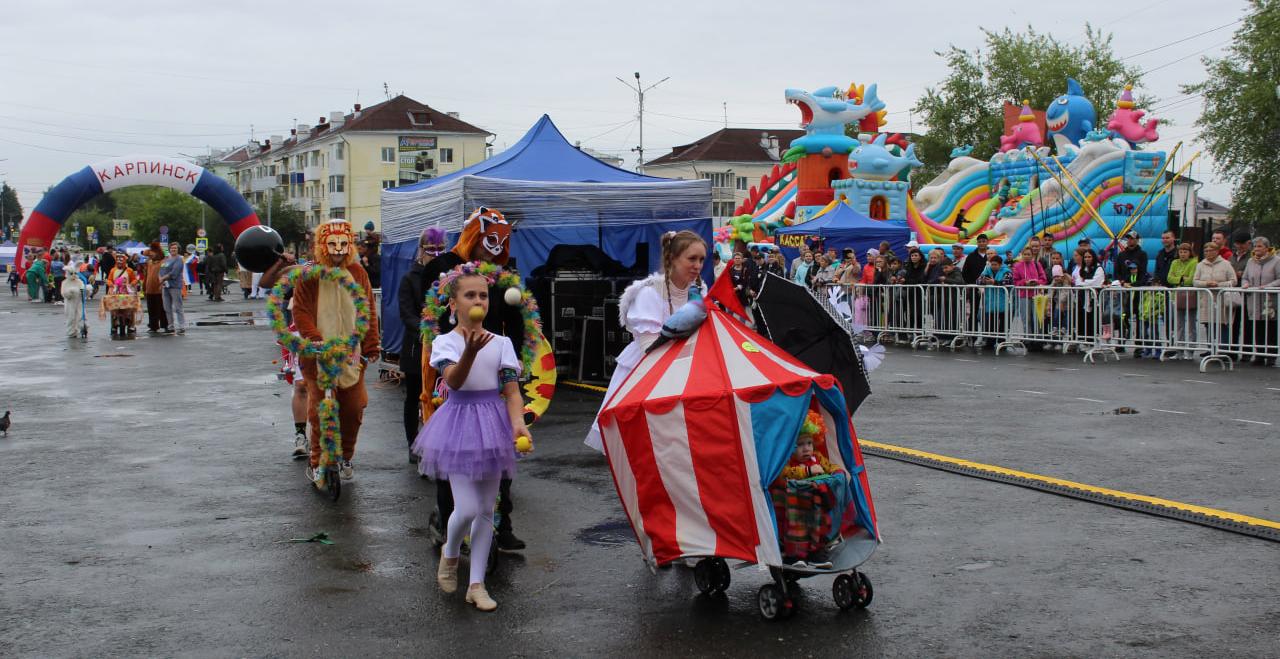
<point x="470" y="439"/>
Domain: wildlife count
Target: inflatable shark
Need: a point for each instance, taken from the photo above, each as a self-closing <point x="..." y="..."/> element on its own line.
<point x="1071" y="115"/>
<point x="823" y="115"/>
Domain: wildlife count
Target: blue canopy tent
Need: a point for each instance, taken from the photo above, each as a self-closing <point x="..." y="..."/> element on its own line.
<point x="554" y="194"/>
<point x="842" y="227"/>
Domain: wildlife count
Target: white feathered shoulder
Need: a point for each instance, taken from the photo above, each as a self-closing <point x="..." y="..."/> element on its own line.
<point x="656" y="281"/>
<point x="633" y="291"/>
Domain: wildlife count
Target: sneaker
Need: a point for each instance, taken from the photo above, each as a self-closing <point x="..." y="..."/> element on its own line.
<point x="300" y="446"/>
<point x="345" y="470"/>
<point x="435" y="530"/>
<point x="507" y="541"/>
<point x="314" y="476"/>
<point x="181" y="331"/>
<point x="819" y="559"/>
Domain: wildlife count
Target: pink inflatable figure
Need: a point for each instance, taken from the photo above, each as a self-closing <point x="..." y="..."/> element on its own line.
<point x="1126" y="121"/>
<point x="1025" y="133"/>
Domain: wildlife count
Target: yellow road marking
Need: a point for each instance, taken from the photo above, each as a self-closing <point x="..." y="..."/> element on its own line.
<point x="1212" y="512"/>
<point x="583" y="385"/>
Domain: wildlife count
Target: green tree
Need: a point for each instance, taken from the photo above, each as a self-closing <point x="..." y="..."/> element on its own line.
<point x="287" y="220"/>
<point x="965" y="107"/>
<point x="1240" y="122"/>
<point x="10" y="209"/>
<point x="90" y="215"/>
<point x="178" y="211"/>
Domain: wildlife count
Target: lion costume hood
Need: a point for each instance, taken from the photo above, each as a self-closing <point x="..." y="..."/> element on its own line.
<point x="338" y="229"/>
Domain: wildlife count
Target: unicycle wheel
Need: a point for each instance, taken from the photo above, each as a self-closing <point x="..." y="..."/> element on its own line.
<point x="333" y="484"/>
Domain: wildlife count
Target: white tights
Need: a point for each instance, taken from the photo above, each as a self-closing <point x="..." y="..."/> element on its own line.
<point x="473" y="502"/>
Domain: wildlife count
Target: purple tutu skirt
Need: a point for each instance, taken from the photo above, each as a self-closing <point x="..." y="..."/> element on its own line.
<point x="469" y="436"/>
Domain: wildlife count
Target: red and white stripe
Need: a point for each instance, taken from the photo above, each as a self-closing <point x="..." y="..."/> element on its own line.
<point x="679" y="441"/>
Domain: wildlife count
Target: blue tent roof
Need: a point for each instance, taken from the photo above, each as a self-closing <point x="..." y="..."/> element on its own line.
<point x="843" y="226"/>
<point x="555" y="195"/>
<point x="543" y="154"/>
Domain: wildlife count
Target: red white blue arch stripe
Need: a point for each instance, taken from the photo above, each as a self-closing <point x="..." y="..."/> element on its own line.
<point x="125" y="171"/>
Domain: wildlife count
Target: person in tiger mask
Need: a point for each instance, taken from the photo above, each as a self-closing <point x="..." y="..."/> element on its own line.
<point x="486" y="236"/>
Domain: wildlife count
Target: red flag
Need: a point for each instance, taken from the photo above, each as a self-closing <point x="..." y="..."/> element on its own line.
<point x="722" y="291"/>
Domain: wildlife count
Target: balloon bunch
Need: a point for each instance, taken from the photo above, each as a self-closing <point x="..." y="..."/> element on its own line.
<point x="723" y="234"/>
<point x="744" y="227"/>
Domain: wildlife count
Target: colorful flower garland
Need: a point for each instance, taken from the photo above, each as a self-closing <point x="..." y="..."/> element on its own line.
<point x="436" y="305"/>
<point x="329" y="355"/>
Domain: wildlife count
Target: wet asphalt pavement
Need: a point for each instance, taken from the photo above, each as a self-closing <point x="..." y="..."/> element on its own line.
<point x="148" y="500"/>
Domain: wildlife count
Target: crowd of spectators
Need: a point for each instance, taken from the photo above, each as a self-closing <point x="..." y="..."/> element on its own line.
<point x="1042" y="298"/>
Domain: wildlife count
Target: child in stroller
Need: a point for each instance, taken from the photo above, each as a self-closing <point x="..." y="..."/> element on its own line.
<point x="805" y="497"/>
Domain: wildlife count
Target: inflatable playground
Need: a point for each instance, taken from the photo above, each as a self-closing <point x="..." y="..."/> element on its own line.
<point x="1059" y="175"/>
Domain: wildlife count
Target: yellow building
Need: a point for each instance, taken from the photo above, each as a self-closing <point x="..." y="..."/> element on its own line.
<point x="339" y="167"/>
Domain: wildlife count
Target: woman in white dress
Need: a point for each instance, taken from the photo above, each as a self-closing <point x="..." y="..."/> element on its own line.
<point x="648" y="303"/>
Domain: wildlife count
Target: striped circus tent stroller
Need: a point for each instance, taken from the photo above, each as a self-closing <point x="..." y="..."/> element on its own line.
<point x="696" y="435"/>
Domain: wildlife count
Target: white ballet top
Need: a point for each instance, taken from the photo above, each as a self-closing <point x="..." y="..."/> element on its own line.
<point x="495" y="356"/>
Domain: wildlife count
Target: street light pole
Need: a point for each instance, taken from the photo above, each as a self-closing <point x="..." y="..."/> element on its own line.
<point x="640" y="92"/>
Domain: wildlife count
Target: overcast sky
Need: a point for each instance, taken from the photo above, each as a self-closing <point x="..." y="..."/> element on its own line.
<point x="80" y="81"/>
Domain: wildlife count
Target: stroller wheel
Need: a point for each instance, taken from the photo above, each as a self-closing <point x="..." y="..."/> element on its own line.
<point x="850" y="591"/>
<point x="711" y="575"/>
<point x="773" y="604"/>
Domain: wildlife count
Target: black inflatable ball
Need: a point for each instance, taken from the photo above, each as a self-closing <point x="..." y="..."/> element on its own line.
<point x="258" y="248"/>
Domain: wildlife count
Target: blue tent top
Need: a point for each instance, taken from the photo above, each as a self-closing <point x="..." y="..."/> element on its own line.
<point x="555" y="194"/>
<point x="843" y="226"/>
<point x="543" y="154"/>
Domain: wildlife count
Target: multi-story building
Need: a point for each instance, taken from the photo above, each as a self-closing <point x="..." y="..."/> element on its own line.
<point x="733" y="159"/>
<point x="339" y="167"/>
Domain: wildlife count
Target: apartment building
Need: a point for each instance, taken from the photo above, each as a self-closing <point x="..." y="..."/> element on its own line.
<point x="338" y="167"/>
<point x="733" y="159"/>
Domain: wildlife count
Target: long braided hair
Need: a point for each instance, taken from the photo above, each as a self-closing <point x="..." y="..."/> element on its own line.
<point x="674" y="243"/>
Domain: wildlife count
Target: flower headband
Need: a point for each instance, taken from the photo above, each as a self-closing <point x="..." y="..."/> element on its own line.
<point x="444" y="285"/>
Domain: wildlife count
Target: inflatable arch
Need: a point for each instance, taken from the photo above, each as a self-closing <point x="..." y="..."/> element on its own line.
<point x="58" y="204"/>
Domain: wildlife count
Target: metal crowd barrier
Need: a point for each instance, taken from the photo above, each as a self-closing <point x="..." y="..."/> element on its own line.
<point x="1219" y="326"/>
